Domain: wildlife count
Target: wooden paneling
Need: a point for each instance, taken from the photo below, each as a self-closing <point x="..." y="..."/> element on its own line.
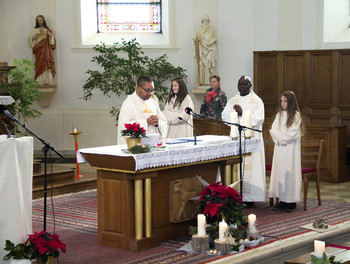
<point x="321" y="82"/>
<point x="321" y="77"/>
<point x="344" y="84"/>
<point x="294" y="74"/>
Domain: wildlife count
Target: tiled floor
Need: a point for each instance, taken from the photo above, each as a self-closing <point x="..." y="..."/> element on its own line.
<point x="329" y="191"/>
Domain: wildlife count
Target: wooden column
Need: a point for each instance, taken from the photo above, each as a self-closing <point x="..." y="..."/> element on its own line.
<point x="148" y="207"/>
<point x="138" y="210"/>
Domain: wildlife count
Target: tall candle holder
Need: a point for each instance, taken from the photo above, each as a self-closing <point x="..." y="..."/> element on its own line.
<point x="75" y="133"/>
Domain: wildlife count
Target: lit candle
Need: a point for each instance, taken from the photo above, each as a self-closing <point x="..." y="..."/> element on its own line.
<point x="75" y="130"/>
<point x="319" y="248"/>
<point x="222" y="231"/>
<point x="251" y="219"/>
<point x="247" y="119"/>
<point x="201" y="224"/>
<point x="234" y="129"/>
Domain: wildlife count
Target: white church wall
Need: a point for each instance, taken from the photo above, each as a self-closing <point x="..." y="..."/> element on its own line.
<point x="3" y="28"/>
<point x="242" y="26"/>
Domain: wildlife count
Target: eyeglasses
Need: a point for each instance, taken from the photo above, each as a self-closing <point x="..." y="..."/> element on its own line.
<point x="150" y="91"/>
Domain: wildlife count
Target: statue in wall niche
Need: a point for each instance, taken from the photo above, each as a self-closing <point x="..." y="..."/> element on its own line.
<point x="42" y="41"/>
<point x="205" y="51"/>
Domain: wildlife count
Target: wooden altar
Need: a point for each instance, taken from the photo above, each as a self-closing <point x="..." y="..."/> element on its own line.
<point x="134" y="205"/>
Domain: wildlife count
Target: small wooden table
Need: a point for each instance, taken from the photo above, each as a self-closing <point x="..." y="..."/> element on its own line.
<point x="343" y="256"/>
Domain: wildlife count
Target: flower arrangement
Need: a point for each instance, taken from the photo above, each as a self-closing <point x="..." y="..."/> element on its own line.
<point x="222" y="202"/>
<point x="45" y="245"/>
<point x="133" y="131"/>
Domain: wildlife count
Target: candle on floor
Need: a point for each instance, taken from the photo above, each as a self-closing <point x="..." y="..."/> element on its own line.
<point x="222" y="231"/>
<point x="201" y="224"/>
<point x="319" y="248"/>
<point x="251" y="219"/>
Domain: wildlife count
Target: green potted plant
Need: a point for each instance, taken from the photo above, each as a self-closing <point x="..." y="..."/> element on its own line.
<point x="22" y="87"/>
<point x="120" y="72"/>
<point x="18" y="254"/>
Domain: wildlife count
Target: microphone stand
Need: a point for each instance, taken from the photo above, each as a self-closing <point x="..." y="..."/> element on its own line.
<point x="6" y="129"/>
<point x="45" y="149"/>
<point x="240" y="128"/>
<point x="194" y="129"/>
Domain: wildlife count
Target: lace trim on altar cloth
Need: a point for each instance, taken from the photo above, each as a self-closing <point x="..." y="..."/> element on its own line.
<point x="207" y="148"/>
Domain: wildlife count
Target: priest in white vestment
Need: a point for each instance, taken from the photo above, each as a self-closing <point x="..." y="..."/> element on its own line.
<point x="142" y="107"/>
<point x="250" y="111"/>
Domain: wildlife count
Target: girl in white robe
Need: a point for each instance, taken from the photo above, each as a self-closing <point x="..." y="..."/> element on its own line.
<point x="178" y="100"/>
<point x="285" y="182"/>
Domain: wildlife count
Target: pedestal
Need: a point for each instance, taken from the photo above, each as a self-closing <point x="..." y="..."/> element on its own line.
<point x="224" y="247"/>
<point x="200" y="244"/>
<point x="75" y="133"/>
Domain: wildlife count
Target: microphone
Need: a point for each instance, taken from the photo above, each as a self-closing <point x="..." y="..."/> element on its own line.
<point x="194" y="130"/>
<point x="189" y="111"/>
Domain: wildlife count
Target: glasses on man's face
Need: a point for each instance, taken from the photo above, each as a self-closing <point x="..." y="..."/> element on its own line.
<point x="150" y="91"/>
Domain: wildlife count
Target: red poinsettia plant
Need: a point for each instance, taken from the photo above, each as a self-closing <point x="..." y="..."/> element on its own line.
<point x="219" y="201"/>
<point x="45" y="245"/>
<point x="133" y="131"/>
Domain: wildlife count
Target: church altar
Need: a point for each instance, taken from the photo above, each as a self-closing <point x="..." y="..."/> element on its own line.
<point x="134" y="190"/>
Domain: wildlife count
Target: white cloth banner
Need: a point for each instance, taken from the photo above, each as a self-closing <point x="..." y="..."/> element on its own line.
<point x="16" y="178"/>
<point x="207" y="148"/>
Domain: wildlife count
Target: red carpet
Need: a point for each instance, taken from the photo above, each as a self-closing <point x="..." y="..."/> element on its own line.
<point x="76" y="224"/>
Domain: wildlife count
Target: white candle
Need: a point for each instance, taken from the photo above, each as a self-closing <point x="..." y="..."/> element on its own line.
<point x="234" y="129"/>
<point x="251" y="219"/>
<point x="201" y="224"/>
<point x="319" y="248"/>
<point x="222" y="231"/>
<point x="75" y="130"/>
<point x="247" y="119"/>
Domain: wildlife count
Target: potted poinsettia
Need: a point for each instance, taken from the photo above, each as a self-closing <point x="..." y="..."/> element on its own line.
<point x="46" y="246"/>
<point x="220" y="202"/>
<point x="134" y="133"/>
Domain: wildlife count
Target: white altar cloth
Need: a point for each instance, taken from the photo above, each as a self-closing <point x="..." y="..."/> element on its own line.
<point x="16" y="178"/>
<point x="207" y="148"/>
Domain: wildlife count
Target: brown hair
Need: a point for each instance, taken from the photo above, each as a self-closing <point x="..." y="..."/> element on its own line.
<point x="44" y="21"/>
<point x="292" y="107"/>
<point x="182" y="93"/>
<point x="217" y="77"/>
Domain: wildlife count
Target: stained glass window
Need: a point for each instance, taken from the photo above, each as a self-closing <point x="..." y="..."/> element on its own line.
<point x="129" y="16"/>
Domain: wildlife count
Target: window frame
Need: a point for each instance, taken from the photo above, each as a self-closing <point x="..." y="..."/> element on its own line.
<point x="87" y="35"/>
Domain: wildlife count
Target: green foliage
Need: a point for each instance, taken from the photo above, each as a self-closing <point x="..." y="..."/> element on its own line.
<point x="119" y="74"/>
<point x="137" y="149"/>
<point x="192" y="230"/>
<point x="236" y="247"/>
<point x="19" y="251"/>
<point x="22" y="88"/>
<point x="324" y="260"/>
